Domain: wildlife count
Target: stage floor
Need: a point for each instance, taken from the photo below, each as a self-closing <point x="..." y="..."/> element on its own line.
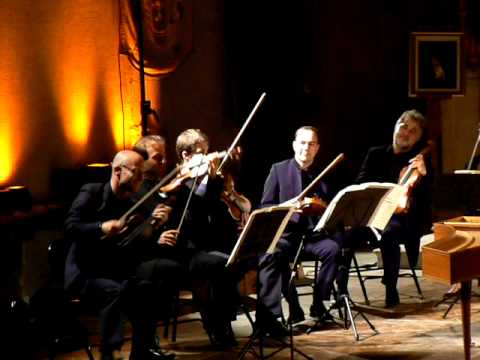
<point x="413" y="330"/>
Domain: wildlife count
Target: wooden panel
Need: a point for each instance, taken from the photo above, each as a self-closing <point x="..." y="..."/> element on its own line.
<point x="453" y="256"/>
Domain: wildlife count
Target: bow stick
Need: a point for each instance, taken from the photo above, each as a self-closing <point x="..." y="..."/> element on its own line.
<point x="235" y="141"/>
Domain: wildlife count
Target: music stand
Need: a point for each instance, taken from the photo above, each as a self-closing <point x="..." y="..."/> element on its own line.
<point x="365" y="205"/>
<point x="262" y="231"/>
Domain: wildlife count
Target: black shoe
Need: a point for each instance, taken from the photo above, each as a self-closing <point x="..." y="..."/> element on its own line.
<point x="223" y="338"/>
<point x="277" y="329"/>
<point x="320" y="314"/>
<point x="154" y="353"/>
<point x="392" y="298"/>
<point x="271" y="325"/>
<point x="317" y="310"/>
<point x="296" y="316"/>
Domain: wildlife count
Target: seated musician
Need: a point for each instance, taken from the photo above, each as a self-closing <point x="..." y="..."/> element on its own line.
<point x="384" y="164"/>
<point x="285" y="181"/>
<point x="206" y="236"/>
<point x="121" y="282"/>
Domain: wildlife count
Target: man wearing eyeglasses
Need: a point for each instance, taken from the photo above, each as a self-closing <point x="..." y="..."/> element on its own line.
<point x="122" y="283"/>
<point x="284" y="183"/>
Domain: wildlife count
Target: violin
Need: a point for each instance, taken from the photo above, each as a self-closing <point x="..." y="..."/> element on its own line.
<point x="409" y="178"/>
<point x="238" y="205"/>
<point x="313" y="206"/>
<point x="198" y="166"/>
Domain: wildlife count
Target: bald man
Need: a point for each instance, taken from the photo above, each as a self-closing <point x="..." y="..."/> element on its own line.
<point x="123" y="284"/>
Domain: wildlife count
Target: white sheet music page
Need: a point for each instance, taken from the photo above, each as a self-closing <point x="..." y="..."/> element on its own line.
<point x="368" y="204"/>
<point x="386" y="207"/>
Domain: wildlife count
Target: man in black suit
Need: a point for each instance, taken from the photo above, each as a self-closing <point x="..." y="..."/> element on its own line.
<point x="206" y="237"/>
<point x="384" y="164"/>
<point x="121" y="282"/>
<point x="284" y="183"/>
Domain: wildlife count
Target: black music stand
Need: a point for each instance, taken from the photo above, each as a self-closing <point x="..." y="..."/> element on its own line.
<point x="260" y="235"/>
<point x="365" y="205"/>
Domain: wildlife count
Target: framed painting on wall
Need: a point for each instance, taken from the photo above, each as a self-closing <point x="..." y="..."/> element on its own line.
<point x="436" y="64"/>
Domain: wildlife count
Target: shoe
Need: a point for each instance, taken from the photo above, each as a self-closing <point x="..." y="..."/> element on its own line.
<point x="154" y="353"/>
<point x="320" y="314"/>
<point x="223" y="338"/>
<point x="296" y="316"/>
<point x="317" y="309"/>
<point x="392" y="298"/>
<point x="271" y="325"/>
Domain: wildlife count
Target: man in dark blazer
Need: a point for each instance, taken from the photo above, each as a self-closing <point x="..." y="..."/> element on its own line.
<point x="121" y="282"/>
<point x="384" y="164"/>
<point x="284" y="183"/>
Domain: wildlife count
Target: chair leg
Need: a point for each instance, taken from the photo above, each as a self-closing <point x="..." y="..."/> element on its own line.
<point x="176" y="311"/>
<point x="415" y="279"/>
<point x="360" y="279"/>
<point x="166" y="324"/>
<point x="246" y="310"/>
<point x="315" y="272"/>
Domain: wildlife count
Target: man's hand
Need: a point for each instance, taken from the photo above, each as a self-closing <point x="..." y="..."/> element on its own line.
<point x="292" y="202"/>
<point x="112" y="227"/>
<point x="168" y="238"/>
<point x="418" y="163"/>
<point x="161" y="213"/>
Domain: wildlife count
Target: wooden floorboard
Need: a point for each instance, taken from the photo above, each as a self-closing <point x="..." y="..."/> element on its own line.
<point x="414" y="330"/>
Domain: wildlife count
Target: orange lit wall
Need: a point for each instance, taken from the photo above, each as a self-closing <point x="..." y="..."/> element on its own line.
<point x="67" y="98"/>
<point x="62" y="103"/>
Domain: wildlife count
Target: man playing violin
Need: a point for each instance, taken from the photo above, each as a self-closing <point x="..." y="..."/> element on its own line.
<point x="284" y="183"/>
<point x="159" y="204"/>
<point x="385" y="164"/>
<point x="121" y="283"/>
<point x="206" y="236"/>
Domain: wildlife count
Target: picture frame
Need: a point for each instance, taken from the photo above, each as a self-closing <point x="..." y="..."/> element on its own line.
<point x="436" y="64"/>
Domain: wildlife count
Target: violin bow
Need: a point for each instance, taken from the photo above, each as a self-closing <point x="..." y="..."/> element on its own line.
<point x="150" y="193"/>
<point x="330" y="166"/>
<point x="237" y="138"/>
<point x="187" y="203"/>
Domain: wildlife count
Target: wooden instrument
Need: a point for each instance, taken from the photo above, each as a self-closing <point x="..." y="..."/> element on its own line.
<point x="299" y="200"/>
<point x="237" y="203"/>
<point x="409" y="178"/>
<point x="313" y="206"/>
<point x="453" y="257"/>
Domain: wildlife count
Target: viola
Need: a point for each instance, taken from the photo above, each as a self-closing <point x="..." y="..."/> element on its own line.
<point x="409" y="178"/>
<point x="238" y="205"/>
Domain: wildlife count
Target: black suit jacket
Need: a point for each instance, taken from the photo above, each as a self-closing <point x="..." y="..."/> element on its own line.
<point x="90" y="256"/>
<point x="382" y="165"/>
<point x="283" y="183"/>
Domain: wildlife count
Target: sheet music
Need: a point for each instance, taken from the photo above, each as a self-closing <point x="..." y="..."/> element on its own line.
<point x="386" y="208"/>
<point x="261" y="233"/>
<point x="369" y="204"/>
